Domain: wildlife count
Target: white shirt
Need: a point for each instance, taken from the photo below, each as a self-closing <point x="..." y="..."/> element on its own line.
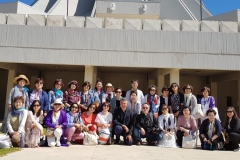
<point x="55" y="119"/>
<point x="162" y="117"/>
<point x="104" y="119"/>
<point x="139" y="96"/>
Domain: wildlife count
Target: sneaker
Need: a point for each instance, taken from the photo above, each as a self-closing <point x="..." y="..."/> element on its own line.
<point x="58" y="144"/>
<point x="69" y="143"/>
<point x="138" y="143"/>
<point x="117" y="141"/>
<point x="236" y="150"/>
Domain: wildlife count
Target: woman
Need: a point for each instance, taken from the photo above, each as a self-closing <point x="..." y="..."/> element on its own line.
<point x="89" y="117"/>
<point x="115" y="101"/>
<point x="190" y="100"/>
<point x="98" y="93"/>
<point x="39" y="94"/>
<point x="16" y="121"/>
<point x="211" y="132"/>
<point x="56" y="122"/>
<point x="186" y="125"/>
<point x="109" y="94"/>
<point x="164" y="99"/>
<point x="133" y="104"/>
<point x="71" y="95"/>
<point x="56" y="93"/>
<point x="86" y="97"/>
<point x="152" y="99"/>
<point x="74" y="126"/>
<point x="18" y="90"/>
<point x="33" y="125"/>
<point x="175" y="99"/>
<point x="104" y="123"/>
<point x="232" y="130"/>
<point x="166" y="124"/>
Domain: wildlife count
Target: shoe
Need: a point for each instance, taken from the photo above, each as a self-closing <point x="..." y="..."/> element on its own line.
<point x="58" y="144"/>
<point x="138" y="143"/>
<point x="69" y="143"/>
<point x="236" y="150"/>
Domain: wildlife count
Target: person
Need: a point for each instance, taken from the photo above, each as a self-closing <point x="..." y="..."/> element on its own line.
<point x="140" y="96"/>
<point x="207" y="102"/>
<point x="86" y="97"/>
<point x="33" y="127"/>
<point x="186" y="125"/>
<point x="133" y="104"/>
<point x="164" y="99"/>
<point x="75" y="125"/>
<point x="146" y="126"/>
<point x="98" y="93"/>
<point x="211" y="132"/>
<point x="39" y="94"/>
<point x="123" y="123"/>
<point x="71" y="95"/>
<point x="166" y="125"/>
<point x="55" y="93"/>
<point x="89" y="117"/>
<point x="232" y="130"/>
<point x="152" y="98"/>
<point x="176" y="99"/>
<point x="115" y="101"/>
<point x="16" y="121"/>
<point x="104" y="122"/>
<point x="18" y="90"/>
<point x="56" y="122"/>
<point x="109" y="94"/>
<point x="190" y="100"/>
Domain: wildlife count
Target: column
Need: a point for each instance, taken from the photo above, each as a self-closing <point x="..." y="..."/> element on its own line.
<point x="174" y="76"/>
<point x="238" y="101"/>
<point x="90" y="74"/>
<point x="160" y="83"/>
<point x="11" y="76"/>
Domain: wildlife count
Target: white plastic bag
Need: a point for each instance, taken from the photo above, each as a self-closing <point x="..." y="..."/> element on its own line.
<point x="199" y="113"/>
<point x="189" y="142"/>
<point x="217" y="115"/>
<point x="90" y="139"/>
<point x="5" y="141"/>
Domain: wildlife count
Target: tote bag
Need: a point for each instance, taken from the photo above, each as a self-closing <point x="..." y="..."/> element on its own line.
<point x="199" y="113"/>
<point x="104" y="135"/>
<point x="189" y="142"/>
<point x="90" y="139"/>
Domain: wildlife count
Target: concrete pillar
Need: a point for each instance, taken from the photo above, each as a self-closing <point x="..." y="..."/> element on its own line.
<point x="160" y="83"/>
<point x="174" y="76"/>
<point x="214" y="91"/>
<point x="150" y="82"/>
<point x="238" y="101"/>
<point x="11" y="76"/>
<point x="90" y="74"/>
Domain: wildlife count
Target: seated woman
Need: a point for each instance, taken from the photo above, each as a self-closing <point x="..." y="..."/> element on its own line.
<point x="16" y="121"/>
<point x="56" y="122"/>
<point x="166" y="124"/>
<point x="75" y="125"/>
<point x="89" y="117"/>
<point x="104" y="123"/>
<point x="33" y="125"/>
<point x="232" y="128"/>
<point x="186" y="125"/>
<point x="210" y="132"/>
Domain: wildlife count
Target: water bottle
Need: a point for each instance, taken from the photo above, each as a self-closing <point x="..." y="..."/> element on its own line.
<point x="205" y="146"/>
<point x="210" y="146"/>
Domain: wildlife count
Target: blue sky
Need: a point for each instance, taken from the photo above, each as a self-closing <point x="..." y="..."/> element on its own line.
<point x="214" y="6"/>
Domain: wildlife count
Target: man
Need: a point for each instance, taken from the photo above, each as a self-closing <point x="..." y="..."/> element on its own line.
<point x="123" y="123"/>
<point x="140" y="96"/>
<point x="146" y="126"/>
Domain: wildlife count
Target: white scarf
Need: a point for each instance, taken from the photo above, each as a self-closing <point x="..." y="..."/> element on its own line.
<point x="188" y="97"/>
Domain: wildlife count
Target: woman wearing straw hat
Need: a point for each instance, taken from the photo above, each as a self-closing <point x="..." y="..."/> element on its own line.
<point x="18" y="90"/>
<point x="109" y="94"/>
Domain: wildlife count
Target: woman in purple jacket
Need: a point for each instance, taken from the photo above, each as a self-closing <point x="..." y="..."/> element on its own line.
<point x="56" y="122"/>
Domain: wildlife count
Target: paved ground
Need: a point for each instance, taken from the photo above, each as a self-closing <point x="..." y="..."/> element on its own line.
<point x="118" y="152"/>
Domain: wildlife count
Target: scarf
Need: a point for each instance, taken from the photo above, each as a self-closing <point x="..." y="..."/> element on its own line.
<point x="35" y="95"/>
<point x="166" y="122"/>
<point x="210" y="129"/>
<point x="17" y="112"/>
<point x="71" y="92"/>
<point x="58" y="93"/>
<point x="187" y="99"/>
<point x="153" y="102"/>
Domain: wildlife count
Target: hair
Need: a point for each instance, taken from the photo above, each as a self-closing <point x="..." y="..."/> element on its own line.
<point x="39" y="80"/>
<point x="86" y="83"/>
<point x="184" y="87"/>
<point x="123" y="99"/>
<point x="168" y="107"/>
<point x="18" y="98"/>
<point x="186" y="107"/>
<point x="145" y="104"/>
<point x="164" y="88"/>
<point x="134" y="80"/>
<point x="93" y="104"/>
<point x="152" y="86"/>
<point x="118" y="88"/>
<point x="19" y="79"/>
<point x="132" y="91"/>
<point x="106" y="103"/>
<point x="211" y="111"/>
<point x="57" y="81"/>
<point x="32" y="105"/>
<point x="72" y="106"/>
<point x="99" y="80"/>
<point x="205" y="88"/>
<point x="227" y="118"/>
<point x="74" y="83"/>
<point x="171" y="91"/>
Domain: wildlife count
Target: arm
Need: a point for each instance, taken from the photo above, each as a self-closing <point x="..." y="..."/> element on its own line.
<point x="194" y="105"/>
<point x="138" y="108"/>
<point x="160" y="122"/>
<point x="179" y="122"/>
<point x="49" y="121"/>
<point x="193" y="124"/>
<point x="212" y="102"/>
<point x="50" y="99"/>
<point x="70" y="123"/>
<point x="35" y="122"/>
<point x="172" y="121"/>
<point x="65" y="99"/>
<point x="130" y="125"/>
<point x="46" y="102"/>
<point x="141" y="97"/>
<point x="235" y="126"/>
<point x="116" y="118"/>
<point x="9" y="126"/>
<point x="23" y="120"/>
<point x="10" y="100"/>
<point x="144" y="99"/>
<point x="128" y="95"/>
<point x="138" y="122"/>
<point x="158" y="102"/>
<point x="65" y="120"/>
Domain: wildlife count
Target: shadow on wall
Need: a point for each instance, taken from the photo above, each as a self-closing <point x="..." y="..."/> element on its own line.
<point x="84" y="7"/>
<point x="3" y="90"/>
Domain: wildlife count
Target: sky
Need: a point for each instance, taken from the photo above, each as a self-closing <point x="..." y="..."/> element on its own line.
<point x="214" y="6"/>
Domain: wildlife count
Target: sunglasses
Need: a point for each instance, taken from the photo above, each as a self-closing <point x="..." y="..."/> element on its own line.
<point x="164" y="108"/>
<point x="36" y="105"/>
<point x="166" y="90"/>
<point x="144" y="107"/>
<point x="106" y="106"/>
<point x="187" y="88"/>
<point x="174" y="86"/>
<point x="229" y="111"/>
<point x="75" y="107"/>
<point x="118" y="92"/>
<point x="152" y="89"/>
<point x="57" y="104"/>
<point x="92" y="108"/>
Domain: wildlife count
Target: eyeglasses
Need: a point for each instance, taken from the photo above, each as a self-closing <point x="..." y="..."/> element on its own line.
<point x="57" y="104"/>
<point x="106" y="106"/>
<point x="152" y="89"/>
<point x="187" y="88"/>
<point x="164" y="108"/>
<point x="166" y="90"/>
<point x="75" y="107"/>
<point x="39" y="83"/>
<point x="92" y="108"/>
<point x="229" y="111"/>
<point x="174" y="86"/>
<point x="118" y="92"/>
<point x="36" y="105"/>
<point x="144" y="107"/>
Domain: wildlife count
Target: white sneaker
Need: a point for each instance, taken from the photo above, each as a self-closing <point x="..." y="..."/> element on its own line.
<point x="236" y="150"/>
<point x="58" y="144"/>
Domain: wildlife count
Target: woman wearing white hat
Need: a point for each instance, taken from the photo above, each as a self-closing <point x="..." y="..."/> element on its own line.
<point x="109" y="94"/>
<point x="56" y="122"/>
<point x="18" y="90"/>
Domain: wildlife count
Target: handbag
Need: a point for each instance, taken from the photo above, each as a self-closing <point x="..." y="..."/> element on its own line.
<point x="104" y="135"/>
<point x="50" y="132"/>
<point x="199" y="114"/>
<point x="189" y="142"/>
<point x="90" y="139"/>
<point x="5" y="141"/>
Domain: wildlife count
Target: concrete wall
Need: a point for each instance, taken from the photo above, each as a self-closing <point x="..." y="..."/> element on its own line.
<point x="3" y="86"/>
<point x="9" y="7"/>
<point x="229" y="16"/>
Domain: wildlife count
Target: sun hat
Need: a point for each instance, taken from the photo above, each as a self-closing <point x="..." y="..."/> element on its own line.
<point x="23" y="77"/>
<point x="109" y="85"/>
<point x="57" y="101"/>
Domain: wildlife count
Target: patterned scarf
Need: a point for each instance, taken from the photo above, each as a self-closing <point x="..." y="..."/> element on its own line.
<point x="17" y="112"/>
<point x="58" y="93"/>
<point x="71" y="92"/>
<point x="152" y="101"/>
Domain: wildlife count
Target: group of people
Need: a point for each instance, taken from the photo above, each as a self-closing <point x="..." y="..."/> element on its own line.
<point x="163" y="120"/>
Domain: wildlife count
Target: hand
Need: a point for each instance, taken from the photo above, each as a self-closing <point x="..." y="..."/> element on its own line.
<point x="9" y="108"/>
<point x="171" y="132"/>
<point x="208" y="141"/>
<point x="129" y="137"/>
<point x="186" y="134"/>
<point x="45" y="114"/>
<point x="143" y="131"/>
<point x="58" y="126"/>
<point x="176" y="114"/>
<point x="125" y="128"/>
<point x="105" y="126"/>
<point x="85" y="128"/>
<point x="15" y="133"/>
<point x="77" y="125"/>
<point x="33" y="126"/>
<point x="205" y="140"/>
<point x="227" y="141"/>
<point x="165" y="132"/>
<point x="89" y="125"/>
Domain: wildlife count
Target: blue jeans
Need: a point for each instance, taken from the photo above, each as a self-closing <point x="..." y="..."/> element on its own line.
<point x="119" y="131"/>
<point x="149" y="136"/>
